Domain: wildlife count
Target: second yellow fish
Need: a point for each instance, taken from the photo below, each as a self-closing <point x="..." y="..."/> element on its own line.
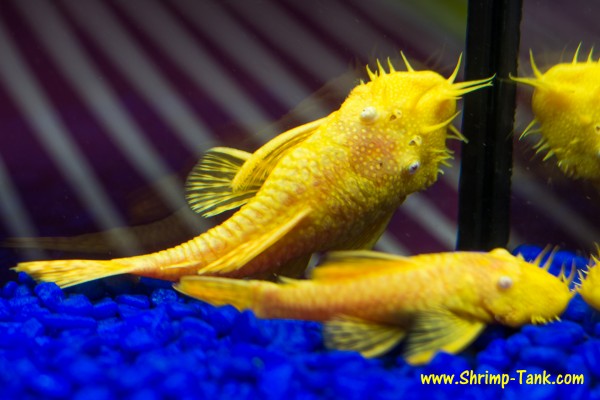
<point x="330" y="184"/>
<point x="372" y="301"/>
<point x="566" y="104"/>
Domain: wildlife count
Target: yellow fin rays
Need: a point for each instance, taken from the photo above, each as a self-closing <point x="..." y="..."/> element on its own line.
<point x="368" y="338"/>
<point x="208" y="187"/>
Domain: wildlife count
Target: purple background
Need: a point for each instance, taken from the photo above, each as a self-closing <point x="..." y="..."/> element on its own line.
<point x="105" y="106"/>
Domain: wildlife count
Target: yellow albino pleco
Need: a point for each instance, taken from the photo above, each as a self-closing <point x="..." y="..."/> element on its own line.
<point x="330" y="184"/>
<point x="566" y="104"/>
<point x="372" y="301"/>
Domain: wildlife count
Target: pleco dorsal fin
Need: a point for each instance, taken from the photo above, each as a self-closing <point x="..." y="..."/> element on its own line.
<point x="439" y="330"/>
<point x="349" y="264"/>
<point x="258" y="167"/>
<point x="227" y="178"/>
<point x="244" y="253"/>
<point x="355" y="334"/>
<point x="209" y="189"/>
<point x="360" y="256"/>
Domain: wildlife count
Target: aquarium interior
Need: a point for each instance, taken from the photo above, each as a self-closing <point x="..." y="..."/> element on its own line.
<point x="101" y="120"/>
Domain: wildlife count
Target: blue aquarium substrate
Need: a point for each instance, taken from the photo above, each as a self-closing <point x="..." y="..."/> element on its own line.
<point x="107" y="340"/>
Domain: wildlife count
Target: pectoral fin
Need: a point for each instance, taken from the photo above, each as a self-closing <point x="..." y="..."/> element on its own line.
<point x="227" y="178"/>
<point x="369" y="236"/>
<point x="368" y="338"/>
<point x="209" y="189"/>
<point x="294" y="268"/>
<point x="439" y="330"/>
<point x="350" y="263"/>
<point x="243" y="254"/>
<point x="258" y="167"/>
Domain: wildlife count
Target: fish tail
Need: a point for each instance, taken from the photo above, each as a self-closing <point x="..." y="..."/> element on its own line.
<point x="243" y="295"/>
<point x="67" y="273"/>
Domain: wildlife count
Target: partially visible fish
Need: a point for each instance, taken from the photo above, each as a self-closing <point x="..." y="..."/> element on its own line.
<point x="566" y="104"/>
<point x="371" y="301"/>
<point x="167" y="231"/>
<point x="333" y="183"/>
<point x="589" y="283"/>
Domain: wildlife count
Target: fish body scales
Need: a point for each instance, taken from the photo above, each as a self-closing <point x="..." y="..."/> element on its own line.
<point x="187" y="258"/>
<point x="467" y="283"/>
<point x="386" y="297"/>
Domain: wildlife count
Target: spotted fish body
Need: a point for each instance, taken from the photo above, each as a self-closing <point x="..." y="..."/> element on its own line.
<point x="371" y="301"/>
<point x="566" y="104"/>
<point x="330" y="184"/>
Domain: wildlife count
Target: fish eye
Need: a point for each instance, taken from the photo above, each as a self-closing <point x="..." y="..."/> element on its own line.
<point x="597" y="128"/>
<point x="505" y="282"/>
<point x="414" y="167"/>
<point x="368" y="114"/>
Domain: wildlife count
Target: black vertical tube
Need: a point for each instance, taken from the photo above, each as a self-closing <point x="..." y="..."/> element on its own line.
<point x="486" y="165"/>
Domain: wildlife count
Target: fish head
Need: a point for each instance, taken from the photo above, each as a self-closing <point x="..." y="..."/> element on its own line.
<point x="517" y="292"/>
<point x="399" y="122"/>
<point x="565" y="104"/>
<point x="567" y="109"/>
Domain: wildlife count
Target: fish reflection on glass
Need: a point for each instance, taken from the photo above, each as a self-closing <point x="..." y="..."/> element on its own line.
<point x="566" y="104"/>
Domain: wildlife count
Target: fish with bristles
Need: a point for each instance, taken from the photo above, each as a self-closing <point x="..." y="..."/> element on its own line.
<point x="330" y="184"/>
<point x="370" y="302"/>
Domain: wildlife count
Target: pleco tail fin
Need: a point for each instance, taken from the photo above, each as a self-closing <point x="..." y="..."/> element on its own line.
<point x="67" y="273"/>
<point x="241" y="294"/>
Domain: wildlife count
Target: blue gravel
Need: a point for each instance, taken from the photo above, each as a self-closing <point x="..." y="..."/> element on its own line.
<point x="145" y="341"/>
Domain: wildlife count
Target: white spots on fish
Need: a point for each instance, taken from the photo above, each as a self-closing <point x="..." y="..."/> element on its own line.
<point x="376" y="166"/>
<point x="313" y="165"/>
<point x="303" y="169"/>
<point x="304" y="174"/>
<point x="368" y="114"/>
